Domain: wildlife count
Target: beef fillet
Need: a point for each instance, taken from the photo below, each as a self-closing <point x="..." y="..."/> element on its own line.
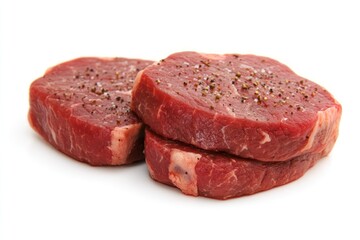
<point x="246" y="105"/>
<point x="199" y="172"/>
<point x="82" y="108"/>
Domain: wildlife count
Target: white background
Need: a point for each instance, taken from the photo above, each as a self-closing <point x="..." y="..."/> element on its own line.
<point x="46" y="195"/>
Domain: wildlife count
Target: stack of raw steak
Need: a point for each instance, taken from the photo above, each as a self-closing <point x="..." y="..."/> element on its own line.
<point x="219" y="126"/>
<point x="223" y="126"/>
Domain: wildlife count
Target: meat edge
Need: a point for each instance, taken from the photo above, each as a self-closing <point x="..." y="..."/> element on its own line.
<point x="58" y="127"/>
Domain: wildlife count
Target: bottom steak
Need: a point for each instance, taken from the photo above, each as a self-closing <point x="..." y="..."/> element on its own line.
<point x="201" y="173"/>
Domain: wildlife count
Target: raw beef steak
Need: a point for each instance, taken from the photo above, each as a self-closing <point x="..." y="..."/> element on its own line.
<point x="82" y="108"/>
<point x="202" y="173"/>
<point x="246" y="105"/>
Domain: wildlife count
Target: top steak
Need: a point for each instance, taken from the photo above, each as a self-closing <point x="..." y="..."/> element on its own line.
<point x="246" y="105"/>
<point x="82" y="108"/>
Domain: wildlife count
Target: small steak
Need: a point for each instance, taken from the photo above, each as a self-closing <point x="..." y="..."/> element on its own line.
<point x="82" y="108"/>
<point x="199" y="172"/>
<point x="246" y="105"/>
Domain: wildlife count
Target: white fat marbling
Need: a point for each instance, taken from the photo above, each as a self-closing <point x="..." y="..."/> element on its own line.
<point x="182" y="171"/>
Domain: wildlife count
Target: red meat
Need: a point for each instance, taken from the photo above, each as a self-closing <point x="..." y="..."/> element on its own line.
<point x="82" y="108"/>
<point x="198" y="172"/>
<point x="246" y="105"/>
